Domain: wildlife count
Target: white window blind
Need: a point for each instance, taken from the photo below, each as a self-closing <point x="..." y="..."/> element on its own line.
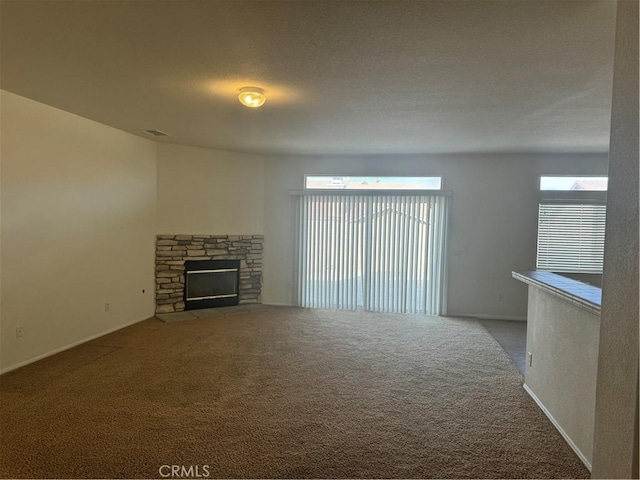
<point x="571" y="237"/>
<point x="375" y="252"/>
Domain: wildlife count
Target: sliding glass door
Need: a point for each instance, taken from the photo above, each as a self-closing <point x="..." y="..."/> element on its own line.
<point x="371" y="251"/>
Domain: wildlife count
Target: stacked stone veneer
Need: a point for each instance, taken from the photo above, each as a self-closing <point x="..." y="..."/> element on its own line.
<point x="173" y="250"/>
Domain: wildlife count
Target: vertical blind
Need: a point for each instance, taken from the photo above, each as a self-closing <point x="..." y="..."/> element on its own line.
<point x="375" y="252"/>
<point x="571" y="237"/>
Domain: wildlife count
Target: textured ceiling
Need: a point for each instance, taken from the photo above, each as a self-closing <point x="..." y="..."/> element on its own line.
<point x="340" y="76"/>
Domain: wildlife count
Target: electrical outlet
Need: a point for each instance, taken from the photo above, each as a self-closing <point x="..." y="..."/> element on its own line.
<point x="107" y="306"/>
<point x="530" y="359"/>
<point x="19" y="332"/>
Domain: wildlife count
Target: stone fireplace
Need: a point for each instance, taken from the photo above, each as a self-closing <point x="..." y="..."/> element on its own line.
<point x="172" y="251"/>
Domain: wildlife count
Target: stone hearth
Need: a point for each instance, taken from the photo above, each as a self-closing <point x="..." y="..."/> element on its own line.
<point x="173" y="250"/>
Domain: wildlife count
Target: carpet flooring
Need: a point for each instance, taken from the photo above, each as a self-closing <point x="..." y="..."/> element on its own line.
<point x="285" y="393"/>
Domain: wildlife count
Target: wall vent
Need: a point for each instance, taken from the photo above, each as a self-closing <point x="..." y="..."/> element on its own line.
<point x="157" y="133"/>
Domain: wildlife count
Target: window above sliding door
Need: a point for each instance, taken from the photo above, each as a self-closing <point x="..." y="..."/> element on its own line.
<point x="337" y="182"/>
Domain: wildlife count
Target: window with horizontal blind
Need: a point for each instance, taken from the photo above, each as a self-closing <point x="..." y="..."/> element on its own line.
<point x="571" y="238"/>
<point x="571" y="225"/>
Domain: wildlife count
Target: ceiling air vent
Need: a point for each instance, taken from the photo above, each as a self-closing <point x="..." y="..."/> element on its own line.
<point x="156" y="133"/>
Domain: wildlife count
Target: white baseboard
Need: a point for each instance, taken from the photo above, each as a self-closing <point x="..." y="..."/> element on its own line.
<point x="482" y="316"/>
<point x="71" y="345"/>
<point x="564" y="434"/>
<point x="462" y="315"/>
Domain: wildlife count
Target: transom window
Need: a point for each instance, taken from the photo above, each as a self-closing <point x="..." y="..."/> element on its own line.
<point x="572" y="183"/>
<point x="327" y="182"/>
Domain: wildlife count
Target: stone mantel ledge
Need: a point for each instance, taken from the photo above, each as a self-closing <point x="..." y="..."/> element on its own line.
<point x="172" y="250"/>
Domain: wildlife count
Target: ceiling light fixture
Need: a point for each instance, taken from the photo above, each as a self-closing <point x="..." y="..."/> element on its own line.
<point x="252" y="97"/>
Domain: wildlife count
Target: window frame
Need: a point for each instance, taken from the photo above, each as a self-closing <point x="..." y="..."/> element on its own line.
<point x="328" y="175"/>
<point x="540" y="189"/>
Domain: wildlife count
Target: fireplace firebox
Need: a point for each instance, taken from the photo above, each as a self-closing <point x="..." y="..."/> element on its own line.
<point x="211" y="283"/>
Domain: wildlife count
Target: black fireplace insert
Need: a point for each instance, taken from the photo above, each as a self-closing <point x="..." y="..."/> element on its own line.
<point x="211" y="283"/>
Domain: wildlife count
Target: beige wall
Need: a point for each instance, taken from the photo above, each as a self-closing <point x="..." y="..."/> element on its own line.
<point x="616" y="424"/>
<point x="78" y="193"/>
<point x="493" y="219"/>
<point x="563" y="339"/>
<point x="78" y="222"/>
<point x="209" y="191"/>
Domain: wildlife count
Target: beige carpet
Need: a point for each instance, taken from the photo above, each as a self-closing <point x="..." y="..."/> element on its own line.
<point x="283" y="393"/>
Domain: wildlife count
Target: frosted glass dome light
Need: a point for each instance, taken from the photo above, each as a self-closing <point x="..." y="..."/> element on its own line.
<point x="252" y="97"/>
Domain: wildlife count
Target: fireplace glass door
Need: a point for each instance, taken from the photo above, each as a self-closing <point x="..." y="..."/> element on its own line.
<point x="211" y="283"/>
